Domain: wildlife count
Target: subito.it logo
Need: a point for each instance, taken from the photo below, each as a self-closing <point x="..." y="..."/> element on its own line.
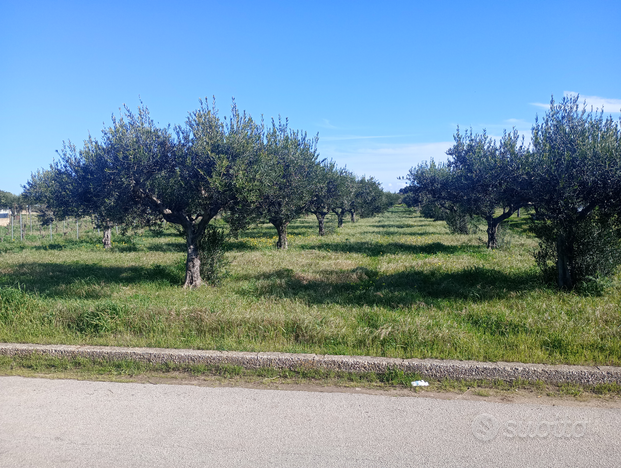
<point x="486" y="427"/>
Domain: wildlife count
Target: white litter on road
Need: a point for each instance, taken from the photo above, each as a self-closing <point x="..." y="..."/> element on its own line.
<point x="420" y="383"/>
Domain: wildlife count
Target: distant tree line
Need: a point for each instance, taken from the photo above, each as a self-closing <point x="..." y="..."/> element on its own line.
<point x="570" y="175"/>
<point x="13" y="203"/>
<point x="236" y="167"/>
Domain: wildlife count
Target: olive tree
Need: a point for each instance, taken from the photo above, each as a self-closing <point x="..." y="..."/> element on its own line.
<point x="327" y="192"/>
<point x="345" y="195"/>
<point x="488" y="175"/>
<point x="83" y="183"/>
<point x="575" y="183"/>
<point x="185" y="177"/>
<point x="480" y="177"/>
<point x="289" y="177"/>
<point x="205" y="170"/>
<point x="369" y="198"/>
<point x="432" y="188"/>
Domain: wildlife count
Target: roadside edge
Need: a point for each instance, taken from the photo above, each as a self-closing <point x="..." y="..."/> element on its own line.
<point x="431" y="368"/>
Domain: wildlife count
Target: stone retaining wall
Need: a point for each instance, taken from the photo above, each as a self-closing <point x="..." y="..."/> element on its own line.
<point x="429" y="368"/>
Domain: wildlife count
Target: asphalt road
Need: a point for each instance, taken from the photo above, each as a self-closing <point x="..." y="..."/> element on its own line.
<point x="67" y="423"/>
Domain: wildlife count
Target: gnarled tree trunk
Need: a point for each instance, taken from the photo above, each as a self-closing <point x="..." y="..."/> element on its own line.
<point x="281" y="228"/>
<point x="194" y="228"/>
<point x="340" y="214"/>
<point x="353" y="216"/>
<point x="492" y="230"/>
<point x="107" y="237"/>
<point x="193" y="262"/>
<point x="492" y="226"/>
<point x="320" y="220"/>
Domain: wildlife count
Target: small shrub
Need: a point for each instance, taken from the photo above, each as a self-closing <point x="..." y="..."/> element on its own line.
<point x="504" y="238"/>
<point x="211" y="254"/>
<point x="594" y="251"/>
<point x="432" y="211"/>
<point x="410" y="200"/>
<point x="459" y="222"/>
<point x="594" y="286"/>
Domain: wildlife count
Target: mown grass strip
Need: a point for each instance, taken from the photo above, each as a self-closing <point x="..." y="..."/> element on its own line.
<point x="37" y="365"/>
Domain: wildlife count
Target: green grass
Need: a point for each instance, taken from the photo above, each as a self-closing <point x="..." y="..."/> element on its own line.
<point x="40" y="365"/>
<point x="397" y="285"/>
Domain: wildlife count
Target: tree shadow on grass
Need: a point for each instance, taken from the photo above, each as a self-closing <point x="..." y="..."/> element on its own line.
<point x="269" y="232"/>
<point x="65" y="244"/>
<point x="404" y="232"/>
<point x="398" y="226"/>
<point x="179" y="246"/>
<point x="375" y="249"/>
<point x="87" y="281"/>
<point x="364" y="286"/>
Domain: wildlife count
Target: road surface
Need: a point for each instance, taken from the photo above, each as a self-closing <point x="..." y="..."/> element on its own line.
<point x="68" y="423"/>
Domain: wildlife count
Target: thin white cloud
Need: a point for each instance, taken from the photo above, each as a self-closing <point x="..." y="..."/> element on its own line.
<point x="326" y="124"/>
<point x="597" y="102"/>
<point x="385" y="162"/>
<point x="417" y="150"/>
<point x="609" y="105"/>
<point x="540" y="104"/>
<point x="518" y="123"/>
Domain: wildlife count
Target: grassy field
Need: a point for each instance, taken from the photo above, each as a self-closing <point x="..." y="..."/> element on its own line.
<point x="397" y="285"/>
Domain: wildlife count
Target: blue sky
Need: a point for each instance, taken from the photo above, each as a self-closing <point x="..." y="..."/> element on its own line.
<point x="384" y="84"/>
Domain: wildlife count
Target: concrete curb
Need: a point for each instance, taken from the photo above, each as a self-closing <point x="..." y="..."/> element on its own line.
<point x="430" y="368"/>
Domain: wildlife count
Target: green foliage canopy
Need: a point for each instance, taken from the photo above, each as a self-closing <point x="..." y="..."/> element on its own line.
<point x="185" y="177"/>
<point x="289" y="175"/>
<point x="575" y="184"/>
